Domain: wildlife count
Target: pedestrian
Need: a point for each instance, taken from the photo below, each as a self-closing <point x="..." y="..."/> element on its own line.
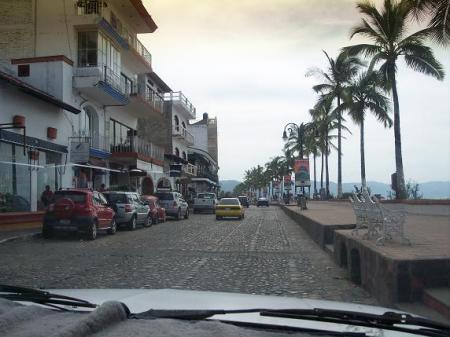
<point x="47" y="196"/>
<point x="102" y="188"/>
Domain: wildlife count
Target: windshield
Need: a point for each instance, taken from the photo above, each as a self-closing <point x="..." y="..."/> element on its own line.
<point x="165" y="196"/>
<point x="116" y="198"/>
<point x="229" y="202"/>
<point x="290" y="149"/>
<point x="76" y="197"/>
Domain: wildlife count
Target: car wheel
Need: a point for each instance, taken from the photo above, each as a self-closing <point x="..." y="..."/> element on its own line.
<point x="178" y="217"/>
<point x="92" y="231"/>
<point x="148" y="221"/>
<point x="132" y="224"/>
<point x="186" y="215"/>
<point x="47" y="232"/>
<point x="113" y="227"/>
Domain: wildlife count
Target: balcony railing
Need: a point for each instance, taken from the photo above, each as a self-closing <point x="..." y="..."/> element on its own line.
<point x="104" y="73"/>
<point x="190" y="169"/>
<point x="95" y="140"/>
<point x="207" y="174"/>
<point x="89" y="7"/>
<point x="178" y="97"/>
<point x="179" y="131"/>
<point x="140" y="146"/>
<point x="154" y="99"/>
<point x="95" y="7"/>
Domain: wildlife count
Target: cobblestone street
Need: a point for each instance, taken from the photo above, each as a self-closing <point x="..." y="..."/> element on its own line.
<point x="266" y="253"/>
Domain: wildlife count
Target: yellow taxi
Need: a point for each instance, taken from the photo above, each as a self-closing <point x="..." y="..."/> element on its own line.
<point x="229" y="207"/>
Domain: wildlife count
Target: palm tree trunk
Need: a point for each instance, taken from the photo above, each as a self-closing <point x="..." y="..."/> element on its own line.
<point x="315" y="177"/>
<point x="339" y="186"/>
<point x="327" y="172"/>
<point x="321" y="171"/>
<point x="401" y="190"/>
<point x="363" y="159"/>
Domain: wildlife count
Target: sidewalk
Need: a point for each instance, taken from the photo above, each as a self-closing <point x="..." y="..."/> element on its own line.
<point x="18" y="231"/>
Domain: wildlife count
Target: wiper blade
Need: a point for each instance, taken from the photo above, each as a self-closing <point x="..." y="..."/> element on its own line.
<point x="23" y="294"/>
<point x="388" y="320"/>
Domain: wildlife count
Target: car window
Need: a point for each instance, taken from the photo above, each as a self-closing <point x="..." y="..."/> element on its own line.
<point x="229" y="202"/>
<point x="206" y="196"/>
<point x="116" y="198"/>
<point x="102" y="199"/>
<point x="76" y="197"/>
<point x="165" y="196"/>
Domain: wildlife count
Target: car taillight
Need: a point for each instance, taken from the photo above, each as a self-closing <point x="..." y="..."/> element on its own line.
<point x="128" y="208"/>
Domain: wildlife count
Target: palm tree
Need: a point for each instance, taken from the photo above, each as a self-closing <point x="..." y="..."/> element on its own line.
<point x="325" y="121"/>
<point x="312" y="146"/>
<point x="439" y="13"/>
<point x="365" y="94"/>
<point x="339" y="73"/>
<point x="386" y="28"/>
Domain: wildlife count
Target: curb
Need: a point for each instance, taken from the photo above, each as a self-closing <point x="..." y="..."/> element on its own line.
<point x="21" y="237"/>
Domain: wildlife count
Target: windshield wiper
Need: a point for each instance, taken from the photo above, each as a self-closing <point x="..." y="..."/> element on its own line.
<point x="22" y="294"/>
<point x="388" y="320"/>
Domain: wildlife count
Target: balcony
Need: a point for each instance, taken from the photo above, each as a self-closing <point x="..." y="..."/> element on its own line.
<point x="181" y="133"/>
<point x="101" y="84"/>
<point x="137" y="148"/>
<point x="180" y="101"/>
<point x="208" y="175"/>
<point x="190" y="170"/>
<point x="145" y="102"/>
<point x="137" y="57"/>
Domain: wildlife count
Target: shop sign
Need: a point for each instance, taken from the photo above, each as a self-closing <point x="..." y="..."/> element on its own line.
<point x="301" y="169"/>
<point x="79" y="151"/>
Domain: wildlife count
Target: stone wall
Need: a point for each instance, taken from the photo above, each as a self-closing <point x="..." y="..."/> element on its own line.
<point x="158" y="130"/>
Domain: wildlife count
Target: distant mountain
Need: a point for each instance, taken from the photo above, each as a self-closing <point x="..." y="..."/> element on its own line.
<point x="228" y="185"/>
<point x="429" y="190"/>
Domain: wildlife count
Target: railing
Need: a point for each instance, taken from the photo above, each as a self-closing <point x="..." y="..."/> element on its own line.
<point x="141" y="146"/>
<point x="89" y="7"/>
<point x="95" y="140"/>
<point x="190" y="169"/>
<point x="105" y="74"/>
<point x="182" y="132"/>
<point x="179" y="97"/>
<point x="208" y="175"/>
<point x="139" y="47"/>
<point x="150" y="96"/>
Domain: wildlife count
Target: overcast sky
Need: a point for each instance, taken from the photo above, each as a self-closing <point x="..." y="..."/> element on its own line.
<point x="244" y="61"/>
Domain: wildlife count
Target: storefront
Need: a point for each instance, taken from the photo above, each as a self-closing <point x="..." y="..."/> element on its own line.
<point x="24" y="175"/>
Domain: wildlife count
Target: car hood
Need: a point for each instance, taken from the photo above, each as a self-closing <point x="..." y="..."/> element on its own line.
<point x="140" y="300"/>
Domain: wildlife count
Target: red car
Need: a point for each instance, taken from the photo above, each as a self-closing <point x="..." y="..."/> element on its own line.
<point x="158" y="213"/>
<point x="79" y="210"/>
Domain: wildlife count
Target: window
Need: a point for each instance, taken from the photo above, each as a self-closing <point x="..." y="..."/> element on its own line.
<point x="109" y="57"/>
<point x="87" y="49"/>
<point x="23" y="70"/>
<point x="177" y="123"/>
<point x="120" y="135"/>
<point x="177" y="152"/>
<point x="184" y="155"/>
<point x="126" y="84"/>
<point x="183" y="124"/>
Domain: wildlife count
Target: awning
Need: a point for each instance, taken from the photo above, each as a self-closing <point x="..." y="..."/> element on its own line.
<point x="95" y="167"/>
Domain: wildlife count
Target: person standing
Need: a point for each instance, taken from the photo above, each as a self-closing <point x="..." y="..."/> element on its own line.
<point x="47" y="196"/>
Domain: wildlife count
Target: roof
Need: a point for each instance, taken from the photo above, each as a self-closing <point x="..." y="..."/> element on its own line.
<point x="138" y="5"/>
<point x="159" y="82"/>
<point x="200" y="122"/>
<point x="33" y="91"/>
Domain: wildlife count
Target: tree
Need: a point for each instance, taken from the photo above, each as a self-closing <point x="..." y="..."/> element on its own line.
<point x="325" y="121"/>
<point x="438" y="13"/>
<point x="365" y="94"/>
<point x="386" y="28"/>
<point x="339" y="73"/>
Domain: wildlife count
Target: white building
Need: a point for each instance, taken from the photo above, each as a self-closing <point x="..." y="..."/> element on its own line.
<point x="84" y="55"/>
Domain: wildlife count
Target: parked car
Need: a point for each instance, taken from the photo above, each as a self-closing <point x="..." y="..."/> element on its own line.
<point x="244" y="201"/>
<point x="129" y="208"/>
<point x="158" y="213"/>
<point x="205" y="202"/>
<point x="262" y="202"/>
<point x="78" y="210"/>
<point x="229" y="207"/>
<point x="174" y="204"/>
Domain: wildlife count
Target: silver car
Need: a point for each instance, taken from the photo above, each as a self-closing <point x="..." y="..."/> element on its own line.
<point x="174" y="204"/>
<point x="130" y="209"/>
